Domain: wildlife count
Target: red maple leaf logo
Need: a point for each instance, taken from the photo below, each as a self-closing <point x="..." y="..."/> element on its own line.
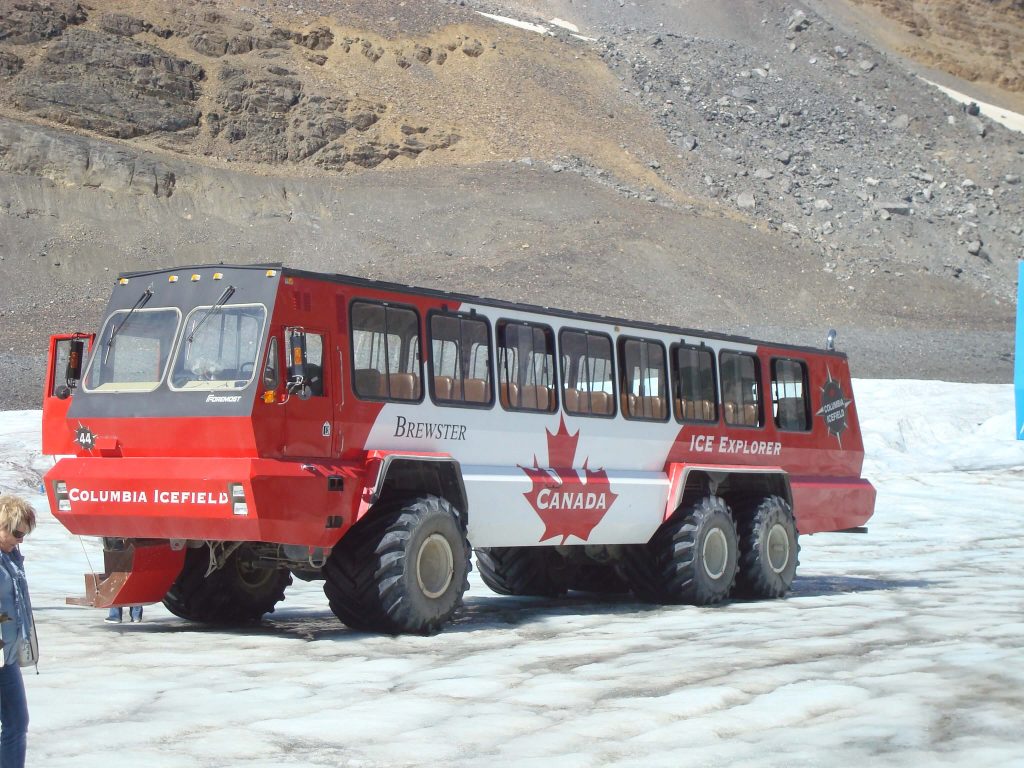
<point x="568" y="504"/>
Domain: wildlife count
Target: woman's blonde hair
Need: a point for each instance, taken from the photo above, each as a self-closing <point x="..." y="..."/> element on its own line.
<point x="16" y="514"/>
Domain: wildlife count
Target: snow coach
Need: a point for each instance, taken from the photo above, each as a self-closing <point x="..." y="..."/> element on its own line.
<point x="232" y="427"/>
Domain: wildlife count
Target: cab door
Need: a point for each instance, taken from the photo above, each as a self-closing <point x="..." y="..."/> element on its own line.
<point x="63" y="373"/>
<point x="309" y="408"/>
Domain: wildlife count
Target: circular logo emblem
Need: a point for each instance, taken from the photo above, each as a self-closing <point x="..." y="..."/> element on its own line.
<point x="85" y="438"/>
<point x="833" y="407"/>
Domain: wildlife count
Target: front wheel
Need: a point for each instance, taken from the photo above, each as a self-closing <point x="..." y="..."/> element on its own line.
<point x="400" y="570"/>
<point x="238" y="592"/>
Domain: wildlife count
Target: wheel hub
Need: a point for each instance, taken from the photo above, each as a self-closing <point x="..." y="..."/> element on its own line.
<point x="715" y="553"/>
<point x="435" y="566"/>
<point x="252" y="575"/>
<point x="777" y="548"/>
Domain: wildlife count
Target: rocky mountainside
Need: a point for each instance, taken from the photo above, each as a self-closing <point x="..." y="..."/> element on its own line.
<point x="750" y="166"/>
<point x="979" y="42"/>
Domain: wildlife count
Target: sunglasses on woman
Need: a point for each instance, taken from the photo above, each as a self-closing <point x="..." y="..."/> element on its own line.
<point x="18" y="534"/>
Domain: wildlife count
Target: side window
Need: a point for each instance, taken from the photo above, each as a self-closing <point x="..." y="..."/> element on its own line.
<point x="314" y="357"/>
<point x="526" y="367"/>
<point x="460" y="360"/>
<point x="588" y="373"/>
<point x="741" y="389"/>
<point x="790" y="401"/>
<point x="644" y="380"/>
<point x="385" y="352"/>
<point x="271" y="370"/>
<point x="694" y="372"/>
<point x="68" y="360"/>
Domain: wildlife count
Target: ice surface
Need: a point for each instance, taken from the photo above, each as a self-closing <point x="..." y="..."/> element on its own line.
<point x="903" y="647"/>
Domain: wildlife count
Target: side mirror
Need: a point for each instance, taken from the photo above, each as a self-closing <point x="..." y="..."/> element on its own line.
<point x="297" y="384"/>
<point x="74" y="349"/>
<point x="73" y="371"/>
<point x="299" y="388"/>
<point x="296" y="352"/>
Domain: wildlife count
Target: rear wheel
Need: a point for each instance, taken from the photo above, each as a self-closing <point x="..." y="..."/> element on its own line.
<point x="236" y="593"/>
<point x="691" y="558"/>
<point x="524" y="571"/>
<point x="400" y="570"/>
<point x="769" y="550"/>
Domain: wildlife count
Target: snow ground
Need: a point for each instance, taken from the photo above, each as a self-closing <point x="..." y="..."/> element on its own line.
<point x="542" y="29"/>
<point x="1012" y="120"/>
<point x="902" y="647"/>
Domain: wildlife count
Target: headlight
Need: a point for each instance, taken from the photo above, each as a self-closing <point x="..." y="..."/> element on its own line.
<point x="239" y="506"/>
<point x="60" y="490"/>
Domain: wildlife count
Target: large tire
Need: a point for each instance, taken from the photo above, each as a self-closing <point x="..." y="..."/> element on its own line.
<point x="769" y="550"/>
<point x="691" y="558"/>
<point x="599" y="578"/>
<point x="524" y="571"/>
<point x="402" y="569"/>
<point x="237" y="593"/>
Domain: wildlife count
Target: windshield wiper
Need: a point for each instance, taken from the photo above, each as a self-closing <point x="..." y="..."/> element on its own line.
<point x="145" y="297"/>
<point x="228" y="292"/>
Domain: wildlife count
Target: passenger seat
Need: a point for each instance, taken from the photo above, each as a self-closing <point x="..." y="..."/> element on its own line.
<point x="443" y="387"/>
<point x="476" y="391"/>
<point x="368" y="382"/>
<point x="404" y="386"/>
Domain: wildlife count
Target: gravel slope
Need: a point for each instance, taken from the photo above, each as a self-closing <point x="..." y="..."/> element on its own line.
<point x="757" y="168"/>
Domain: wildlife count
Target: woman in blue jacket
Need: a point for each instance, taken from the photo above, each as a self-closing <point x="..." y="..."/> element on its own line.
<point x="17" y="519"/>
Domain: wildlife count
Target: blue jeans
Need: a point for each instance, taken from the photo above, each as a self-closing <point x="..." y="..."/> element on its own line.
<point x="134" y="613"/>
<point x="13" y="717"/>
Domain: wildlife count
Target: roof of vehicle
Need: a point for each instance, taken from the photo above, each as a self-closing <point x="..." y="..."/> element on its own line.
<point x="382" y="285"/>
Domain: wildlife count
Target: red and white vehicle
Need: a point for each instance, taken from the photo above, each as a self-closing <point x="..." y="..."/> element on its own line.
<point x="230" y="427"/>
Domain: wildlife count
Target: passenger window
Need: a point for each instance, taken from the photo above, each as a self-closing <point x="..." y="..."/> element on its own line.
<point x="460" y="360"/>
<point x="741" y="389"/>
<point x="587" y="373"/>
<point x="790" y="401"/>
<point x="385" y="352"/>
<point x="526" y="367"/>
<point x="643" y="380"/>
<point x="695" y="398"/>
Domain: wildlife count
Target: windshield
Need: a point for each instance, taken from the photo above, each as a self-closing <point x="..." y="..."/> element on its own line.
<point x="223" y="348"/>
<point x="134" y="348"/>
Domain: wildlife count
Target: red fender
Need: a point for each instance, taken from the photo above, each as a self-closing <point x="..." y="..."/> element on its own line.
<point x="138" y="574"/>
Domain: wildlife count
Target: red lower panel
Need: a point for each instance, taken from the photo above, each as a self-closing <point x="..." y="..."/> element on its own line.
<point x="190" y="498"/>
<point x="831" y="504"/>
